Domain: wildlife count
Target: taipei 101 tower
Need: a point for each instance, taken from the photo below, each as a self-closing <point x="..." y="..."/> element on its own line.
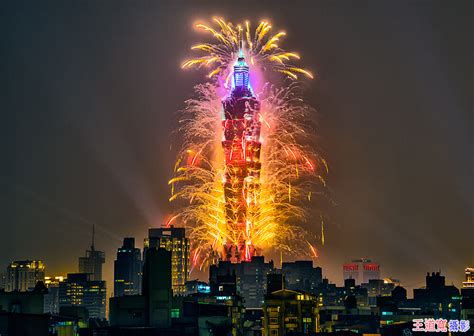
<point x="241" y="144"/>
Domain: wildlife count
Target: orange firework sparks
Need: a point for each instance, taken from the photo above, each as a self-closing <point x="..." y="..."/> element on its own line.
<point x="278" y="198"/>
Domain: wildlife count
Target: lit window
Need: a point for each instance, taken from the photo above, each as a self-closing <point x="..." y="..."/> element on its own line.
<point x="175" y="313"/>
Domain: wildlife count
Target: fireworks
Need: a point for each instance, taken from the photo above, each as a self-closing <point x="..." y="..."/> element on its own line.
<point x="261" y="48"/>
<point x="247" y="170"/>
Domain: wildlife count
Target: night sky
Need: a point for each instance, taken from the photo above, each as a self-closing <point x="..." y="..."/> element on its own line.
<point x="89" y="97"/>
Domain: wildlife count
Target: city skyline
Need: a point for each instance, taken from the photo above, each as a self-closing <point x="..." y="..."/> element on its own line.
<point x="93" y="118"/>
<point x="369" y="273"/>
<point x="252" y="297"/>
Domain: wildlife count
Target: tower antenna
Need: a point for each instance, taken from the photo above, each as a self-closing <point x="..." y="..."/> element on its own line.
<point x="93" y="233"/>
<point x="241" y="43"/>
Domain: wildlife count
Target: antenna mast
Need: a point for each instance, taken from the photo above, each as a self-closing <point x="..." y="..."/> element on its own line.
<point x="93" y="233"/>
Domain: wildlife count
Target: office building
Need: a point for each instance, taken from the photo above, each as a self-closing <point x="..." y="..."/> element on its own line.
<point x="300" y="275"/>
<point x="153" y="308"/>
<point x="51" y="299"/>
<point x="127" y="269"/>
<point x="92" y="262"/>
<point x="24" y="274"/>
<point x="361" y="270"/>
<point x="174" y="240"/>
<point x="251" y="278"/>
<point x="79" y="290"/>
<point x="157" y="286"/>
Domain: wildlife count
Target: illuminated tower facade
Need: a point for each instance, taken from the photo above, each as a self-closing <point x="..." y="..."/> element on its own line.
<point x="80" y="290"/>
<point x="128" y="269"/>
<point x="241" y="143"/>
<point x="23" y="275"/>
<point x="174" y="240"/>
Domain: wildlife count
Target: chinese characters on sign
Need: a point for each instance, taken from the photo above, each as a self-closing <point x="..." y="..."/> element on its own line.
<point x="440" y="325"/>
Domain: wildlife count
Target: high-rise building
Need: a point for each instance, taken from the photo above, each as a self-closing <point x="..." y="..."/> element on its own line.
<point x="127" y="269"/>
<point x="174" y="240"/>
<point x="92" y="262"/>
<point x="241" y="144"/>
<point x="251" y="278"/>
<point x="153" y="307"/>
<point x="157" y="286"/>
<point x="469" y="283"/>
<point x="300" y="275"/>
<point x="80" y="290"/>
<point x="51" y="299"/>
<point x="361" y="270"/>
<point x="24" y="274"/>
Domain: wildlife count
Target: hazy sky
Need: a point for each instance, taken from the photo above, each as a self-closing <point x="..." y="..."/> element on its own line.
<point x="89" y="97"/>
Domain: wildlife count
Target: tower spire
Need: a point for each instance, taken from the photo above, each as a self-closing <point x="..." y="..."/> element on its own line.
<point x="93" y="234"/>
<point x="241" y="43"/>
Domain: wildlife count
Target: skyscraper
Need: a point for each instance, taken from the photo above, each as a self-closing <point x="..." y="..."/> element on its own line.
<point x="174" y="240"/>
<point x="24" y="274"/>
<point x="241" y="144"/>
<point x="127" y="269"/>
<point x="157" y="286"/>
<point x="80" y="290"/>
<point x="153" y="307"/>
<point x="92" y="262"/>
<point x="361" y="270"/>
